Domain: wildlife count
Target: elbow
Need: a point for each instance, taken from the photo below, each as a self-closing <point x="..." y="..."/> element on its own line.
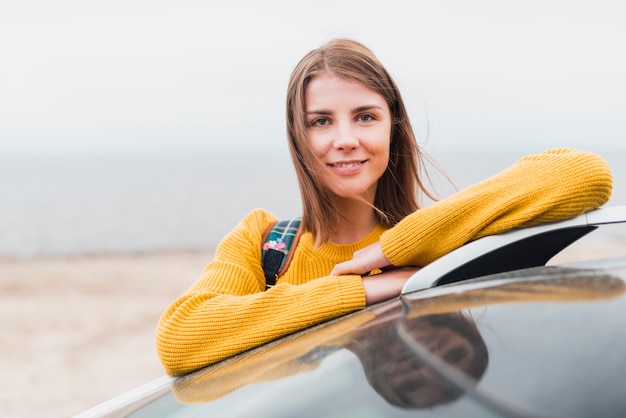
<point x="599" y="181"/>
<point x="187" y="338"/>
<point x="185" y="342"/>
<point x="179" y="349"/>
<point x="583" y="178"/>
<point x="171" y="351"/>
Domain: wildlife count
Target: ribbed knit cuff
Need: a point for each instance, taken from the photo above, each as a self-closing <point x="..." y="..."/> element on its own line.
<point x="352" y="293"/>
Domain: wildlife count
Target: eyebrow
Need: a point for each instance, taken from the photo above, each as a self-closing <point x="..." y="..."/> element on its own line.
<point x="355" y="110"/>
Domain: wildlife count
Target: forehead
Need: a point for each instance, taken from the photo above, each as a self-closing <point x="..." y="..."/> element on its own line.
<point x="330" y="90"/>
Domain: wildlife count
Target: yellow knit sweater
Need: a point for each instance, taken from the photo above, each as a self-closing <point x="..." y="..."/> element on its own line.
<point x="227" y="311"/>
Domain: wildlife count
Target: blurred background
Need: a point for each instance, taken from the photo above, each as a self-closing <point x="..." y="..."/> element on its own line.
<point x="134" y="134"/>
<point x="141" y="125"/>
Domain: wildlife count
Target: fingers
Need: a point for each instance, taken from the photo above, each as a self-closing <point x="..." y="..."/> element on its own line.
<point x="363" y="261"/>
<point x="349" y="267"/>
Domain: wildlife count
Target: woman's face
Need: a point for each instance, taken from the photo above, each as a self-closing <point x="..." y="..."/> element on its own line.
<point x="349" y="130"/>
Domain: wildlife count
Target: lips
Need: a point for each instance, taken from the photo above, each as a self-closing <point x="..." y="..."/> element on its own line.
<point x="347" y="168"/>
<point x="347" y="164"/>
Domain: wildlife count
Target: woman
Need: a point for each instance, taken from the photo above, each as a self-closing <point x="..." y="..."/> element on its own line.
<point x="357" y="159"/>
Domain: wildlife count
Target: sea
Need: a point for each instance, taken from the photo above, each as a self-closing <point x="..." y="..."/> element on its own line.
<point x="66" y="206"/>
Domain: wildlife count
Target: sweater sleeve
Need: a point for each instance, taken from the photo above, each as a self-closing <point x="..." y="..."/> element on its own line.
<point x="227" y="311"/>
<point x="550" y="186"/>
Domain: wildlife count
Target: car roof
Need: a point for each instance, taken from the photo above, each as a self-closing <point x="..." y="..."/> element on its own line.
<point x="539" y="341"/>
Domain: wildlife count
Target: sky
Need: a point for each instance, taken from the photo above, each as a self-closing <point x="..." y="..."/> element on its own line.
<point x="178" y="76"/>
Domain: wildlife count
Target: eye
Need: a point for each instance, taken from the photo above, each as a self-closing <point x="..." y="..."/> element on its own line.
<point x="319" y="122"/>
<point x="365" y="117"/>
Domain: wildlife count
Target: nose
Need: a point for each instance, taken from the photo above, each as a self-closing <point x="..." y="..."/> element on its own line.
<point x="346" y="138"/>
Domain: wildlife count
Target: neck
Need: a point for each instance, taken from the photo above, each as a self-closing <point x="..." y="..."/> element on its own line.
<point x="358" y="220"/>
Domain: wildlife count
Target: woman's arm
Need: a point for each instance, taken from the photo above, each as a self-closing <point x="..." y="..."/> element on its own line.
<point x="227" y="311"/>
<point x="546" y="187"/>
<point x="386" y="285"/>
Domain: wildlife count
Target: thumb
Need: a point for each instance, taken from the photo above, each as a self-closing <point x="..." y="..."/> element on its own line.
<point x="350" y="267"/>
<point x="363" y="261"/>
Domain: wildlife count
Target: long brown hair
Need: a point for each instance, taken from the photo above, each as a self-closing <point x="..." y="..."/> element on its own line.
<point x="397" y="189"/>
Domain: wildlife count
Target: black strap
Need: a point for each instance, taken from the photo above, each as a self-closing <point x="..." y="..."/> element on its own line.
<point x="271" y="265"/>
<point x="278" y="242"/>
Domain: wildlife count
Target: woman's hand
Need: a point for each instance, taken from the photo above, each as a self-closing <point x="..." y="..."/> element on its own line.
<point x="363" y="261"/>
<point x="378" y="287"/>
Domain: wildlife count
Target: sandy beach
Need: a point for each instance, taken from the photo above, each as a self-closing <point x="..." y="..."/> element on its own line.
<point x="78" y="331"/>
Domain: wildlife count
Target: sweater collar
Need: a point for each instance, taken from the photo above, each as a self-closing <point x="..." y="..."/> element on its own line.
<point x="344" y="251"/>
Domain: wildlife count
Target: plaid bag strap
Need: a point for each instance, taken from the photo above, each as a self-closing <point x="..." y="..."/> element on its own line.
<point x="276" y="253"/>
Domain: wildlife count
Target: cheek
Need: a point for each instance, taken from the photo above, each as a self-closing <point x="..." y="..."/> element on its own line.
<point x="381" y="144"/>
<point x="318" y="144"/>
<point x="385" y="151"/>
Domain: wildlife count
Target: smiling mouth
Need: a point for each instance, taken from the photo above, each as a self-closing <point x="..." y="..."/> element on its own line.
<point x="349" y="164"/>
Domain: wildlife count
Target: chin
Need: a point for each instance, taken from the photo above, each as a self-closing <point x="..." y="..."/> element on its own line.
<point x="355" y="194"/>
